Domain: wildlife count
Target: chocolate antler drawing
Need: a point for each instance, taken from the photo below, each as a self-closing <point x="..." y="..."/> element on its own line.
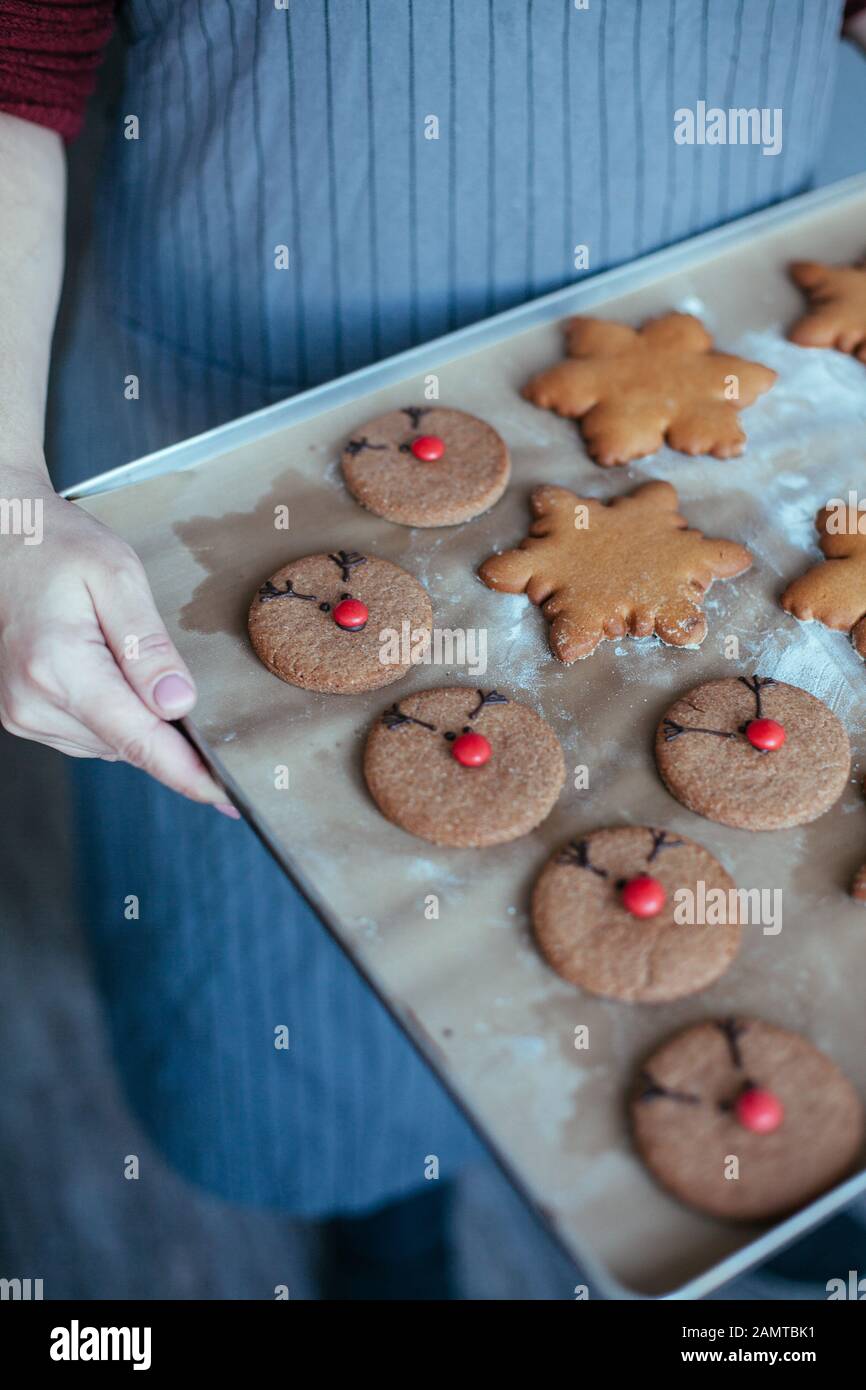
<point x="661" y="840"/>
<point x="394" y="717"/>
<point x="673" y="730"/>
<point x="756" y="685"/>
<point x="269" y="590"/>
<point x="347" y="560"/>
<point x="577" y="853"/>
<point x="733" y="1031"/>
<point x="356" y="446"/>
<point x="653" y="1090"/>
<point x="492" y="698"/>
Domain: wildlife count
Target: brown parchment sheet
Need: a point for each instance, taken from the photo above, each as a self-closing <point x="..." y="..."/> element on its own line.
<point x="498" y="1024"/>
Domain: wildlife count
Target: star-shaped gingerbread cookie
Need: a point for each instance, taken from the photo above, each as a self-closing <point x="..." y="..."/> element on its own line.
<point x="635" y="389"/>
<point x="611" y="569"/>
<point x="837" y="313"/>
<point x="833" y="592"/>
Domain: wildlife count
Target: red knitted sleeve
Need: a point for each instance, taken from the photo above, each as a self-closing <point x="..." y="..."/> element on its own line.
<point x="49" y="53"/>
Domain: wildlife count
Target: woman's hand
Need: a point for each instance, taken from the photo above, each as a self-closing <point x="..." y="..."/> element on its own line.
<point x="86" y="665"/>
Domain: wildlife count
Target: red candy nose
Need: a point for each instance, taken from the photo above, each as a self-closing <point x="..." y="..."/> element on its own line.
<point x="351" y="614"/>
<point x="765" y="734"/>
<point x="760" y="1111"/>
<point x="471" y="750"/>
<point x="643" y="897"/>
<point x="428" y="447"/>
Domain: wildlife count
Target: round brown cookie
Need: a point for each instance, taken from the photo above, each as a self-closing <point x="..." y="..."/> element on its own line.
<point x="745" y="1090"/>
<point x="603" y="914"/>
<point x="463" y="767"/>
<point x="426" y="466"/>
<point x="317" y="622"/>
<point x="720" y="752"/>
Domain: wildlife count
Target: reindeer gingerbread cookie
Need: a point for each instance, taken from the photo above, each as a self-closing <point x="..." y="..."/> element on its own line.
<point x="630" y="567"/>
<point x="738" y="1089"/>
<point x="635" y="389"/>
<point x="426" y="466"/>
<point x="833" y="592"/>
<point x="463" y="767"/>
<point x="604" y="915"/>
<point x="316" y="623"/>
<point x="837" y="307"/>
<point x="753" y="752"/>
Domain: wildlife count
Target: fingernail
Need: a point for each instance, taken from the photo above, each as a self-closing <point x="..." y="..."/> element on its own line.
<point x="226" y="809"/>
<point x="173" y="694"/>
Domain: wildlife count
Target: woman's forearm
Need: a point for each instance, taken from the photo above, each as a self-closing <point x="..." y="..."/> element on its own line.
<point x="32" y="207"/>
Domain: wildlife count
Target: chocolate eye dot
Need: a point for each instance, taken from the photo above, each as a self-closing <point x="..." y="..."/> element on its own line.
<point x="342" y="596"/>
<point x="450" y="737"/>
<point x="325" y="607"/>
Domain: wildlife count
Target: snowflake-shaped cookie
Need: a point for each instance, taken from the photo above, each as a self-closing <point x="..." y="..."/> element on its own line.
<point x="833" y="592"/>
<point x="604" y="570"/>
<point x="837" y="313"/>
<point x="635" y="389"/>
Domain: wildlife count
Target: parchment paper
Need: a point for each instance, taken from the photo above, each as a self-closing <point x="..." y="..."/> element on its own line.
<point x="497" y="1023"/>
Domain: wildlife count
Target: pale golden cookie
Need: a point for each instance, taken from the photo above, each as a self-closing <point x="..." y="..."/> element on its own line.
<point x="630" y="567"/>
<point x="635" y="389"/>
<point x="837" y="313"/>
<point x="463" y="767"/>
<point x="834" y="592"/>
<point x="318" y="621"/>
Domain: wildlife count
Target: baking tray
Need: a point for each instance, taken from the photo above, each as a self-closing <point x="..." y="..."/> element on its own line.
<point x="470" y="990"/>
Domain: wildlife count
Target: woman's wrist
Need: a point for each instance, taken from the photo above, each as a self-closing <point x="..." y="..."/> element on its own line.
<point x="25" y="473"/>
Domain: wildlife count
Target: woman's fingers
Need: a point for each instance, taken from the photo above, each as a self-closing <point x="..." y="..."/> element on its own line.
<point x="65" y="688"/>
<point x="30" y="712"/>
<point x="160" y="687"/>
<point x="114" y="712"/>
<point x="77" y="750"/>
<point x="102" y="718"/>
<point x="139" y="642"/>
<point x="68" y="737"/>
<point x="86" y="664"/>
